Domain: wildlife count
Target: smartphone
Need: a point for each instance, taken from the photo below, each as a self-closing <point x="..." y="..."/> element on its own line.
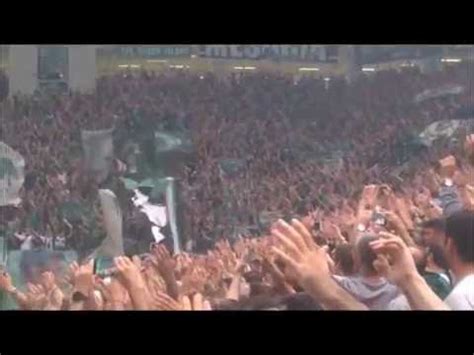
<point x="102" y="264"/>
<point x="378" y="218"/>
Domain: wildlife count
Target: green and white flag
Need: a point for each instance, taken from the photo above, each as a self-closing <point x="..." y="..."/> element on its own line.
<point x="98" y="152"/>
<point x="165" y="187"/>
<point x="172" y="141"/>
<point x="439" y="129"/>
<point x="442" y="91"/>
<point x="12" y="176"/>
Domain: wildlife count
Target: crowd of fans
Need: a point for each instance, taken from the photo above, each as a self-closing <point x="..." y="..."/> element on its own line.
<point x="364" y="234"/>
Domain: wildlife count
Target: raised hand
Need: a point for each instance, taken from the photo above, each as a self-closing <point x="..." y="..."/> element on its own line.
<point x="469" y="145"/>
<point x="195" y="303"/>
<point x="163" y="261"/>
<point x="309" y="264"/>
<point x="6" y="281"/>
<point x="48" y="281"/>
<point x="369" y="197"/>
<point x="162" y="302"/>
<point x="115" y="295"/>
<point x="82" y="276"/>
<point x="332" y="232"/>
<point x="279" y="278"/>
<point x="54" y="296"/>
<point x="35" y="297"/>
<point x="306" y="260"/>
<point x="394" y="259"/>
<point x="129" y="270"/>
<point x="395" y="222"/>
<point x="396" y="263"/>
<point x="130" y="274"/>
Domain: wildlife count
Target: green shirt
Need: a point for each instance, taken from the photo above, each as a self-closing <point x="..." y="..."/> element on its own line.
<point x="439" y="283"/>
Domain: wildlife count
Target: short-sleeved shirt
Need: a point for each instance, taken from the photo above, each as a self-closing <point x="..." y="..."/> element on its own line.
<point x="461" y="297"/>
<point x="376" y="295"/>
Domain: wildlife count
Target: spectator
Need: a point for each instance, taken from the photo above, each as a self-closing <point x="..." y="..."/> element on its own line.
<point x="368" y="287"/>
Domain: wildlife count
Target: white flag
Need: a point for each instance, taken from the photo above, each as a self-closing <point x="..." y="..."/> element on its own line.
<point x="98" y="152"/>
<point x="439" y="92"/>
<point x="113" y="244"/>
<point x="12" y="176"/>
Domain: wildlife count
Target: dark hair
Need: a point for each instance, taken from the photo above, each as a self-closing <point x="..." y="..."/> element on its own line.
<point x="343" y="257"/>
<point x="365" y="252"/>
<point x="301" y="301"/>
<point x="438" y="257"/>
<point x="459" y="227"/>
<point x="438" y="224"/>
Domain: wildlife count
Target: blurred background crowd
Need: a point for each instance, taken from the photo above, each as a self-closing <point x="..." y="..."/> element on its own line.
<point x="343" y="158"/>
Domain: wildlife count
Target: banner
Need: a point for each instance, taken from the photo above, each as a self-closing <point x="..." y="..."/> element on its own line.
<point x="160" y="189"/>
<point x="12" y="175"/>
<point x="98" y="152"/>
<point x="304" y="53"/>
<point x="151" y="52"/>
<point x="112" y="245"/>
<point x="439" y="92"/>
<point x="444" y="128"/>
<point x="387" y="53"/>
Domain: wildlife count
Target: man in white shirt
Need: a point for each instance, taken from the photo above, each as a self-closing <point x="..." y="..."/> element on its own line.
<point x="459" y="251"/>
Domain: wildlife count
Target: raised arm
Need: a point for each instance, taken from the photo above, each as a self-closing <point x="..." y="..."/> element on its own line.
<point x="396" y="263"/>
<point x="309" y="263"/>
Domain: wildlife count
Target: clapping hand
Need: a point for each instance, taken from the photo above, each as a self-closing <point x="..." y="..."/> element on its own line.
<point x="305" y="259"/>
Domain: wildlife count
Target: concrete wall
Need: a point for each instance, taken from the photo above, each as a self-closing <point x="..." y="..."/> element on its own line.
<point x="22" y="69"/>
<point x="82" y="68"/>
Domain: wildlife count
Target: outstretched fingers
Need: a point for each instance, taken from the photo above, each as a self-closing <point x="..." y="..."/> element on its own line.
<point x="304" y="232"/>
<point x="288" y="244"/>
<point x="291" y="233"/>
<point x="289" y="261"/>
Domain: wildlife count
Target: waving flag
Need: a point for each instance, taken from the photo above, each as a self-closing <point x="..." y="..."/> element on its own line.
<point x="98" y="152"/>
<point x="113" y="243"/>
<point x="439" y="129"/>
<point x="12" y="175"/>
<point x="439" y="92"/>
